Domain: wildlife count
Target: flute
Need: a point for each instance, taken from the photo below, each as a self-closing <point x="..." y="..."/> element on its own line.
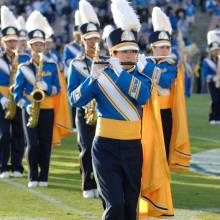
<point x="105" y="62"/>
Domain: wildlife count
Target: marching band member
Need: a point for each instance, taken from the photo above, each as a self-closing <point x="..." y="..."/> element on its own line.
<point x="160" y="42"/>
<point x="74" y="48"/>
<point x="106" y="31"/>
<point x="210" y="68"/>
<point x="120" y="91"/>
<point x="71" y="51"/>
<point x="11" y="134"/>
<point x="172" y="153"/>
<point x="79" y="70"/>
<point x="51" y="54"/>
<point x="37" y="80"/>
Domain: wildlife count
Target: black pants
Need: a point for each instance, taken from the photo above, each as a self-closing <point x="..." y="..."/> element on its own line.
<point x="86" y="135"/>
<point x="118" y="165"/>
<point x="39" y="141"/>
<point x="215" y="104"/>
<point x="167" y="123"/>
<point x="73" y="111"/>
<point x="11" y="142"/>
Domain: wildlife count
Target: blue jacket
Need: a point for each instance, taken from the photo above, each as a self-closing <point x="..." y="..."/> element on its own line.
<point x="209" y="68"/>
<point x="25" y="81"/>
<point x="130" y="90"/>
<point x="5" y="69"/>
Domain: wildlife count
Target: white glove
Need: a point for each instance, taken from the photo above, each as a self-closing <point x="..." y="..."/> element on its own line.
<point x="141" y="62"/>
<point x="116" y="65"/>
<point x="96" y="70"/>
<point x="42" y="85"/>
<point x="4" y="102"/>
<point x="29" y="109"/>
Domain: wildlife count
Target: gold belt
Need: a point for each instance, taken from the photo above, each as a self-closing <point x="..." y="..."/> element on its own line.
<point x="118" y="129"/>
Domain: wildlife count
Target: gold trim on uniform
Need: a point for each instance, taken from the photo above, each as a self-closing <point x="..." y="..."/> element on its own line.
<point x="124" y="44"/>
<point x="118" y="129"/>
<point x="4" y="90"/>
<point x="122" y="94"/>
<point x="109" y="99"/>
<point x="165" y="102"/>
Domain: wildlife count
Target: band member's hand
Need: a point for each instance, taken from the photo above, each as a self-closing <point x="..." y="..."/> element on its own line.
<point x="4" y="102"/>
<point x="29" y="109"/>
<point x="96" y="70"/>
<point x="42" y="85"/>
<point x="141" y="62"/>
<point x="116" y="65"/>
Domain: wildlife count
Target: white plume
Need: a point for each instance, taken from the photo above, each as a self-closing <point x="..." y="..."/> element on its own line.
<point x="160" y="20"/>
<point x="20" y="23"/>
<point x="213" y="36"/>
<point x="7" y="18"/>
<point x="36" y="21"/>
<point x="78" y="20"/>
<point x="87" y="12"/>
<point x="125" y="16"/>
<point x="106" y="31"/>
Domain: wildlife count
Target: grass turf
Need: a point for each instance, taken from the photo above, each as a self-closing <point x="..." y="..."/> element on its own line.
<point x="63" y="198"/>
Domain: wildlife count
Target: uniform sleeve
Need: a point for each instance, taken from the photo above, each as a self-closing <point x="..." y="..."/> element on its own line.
<point x="168" y="74"/>
<point x="83" y="94"/>
<point x="73" y="80"/>
<point x="137" y="88"/>
<point x="54" y="87"/>
<point x="205" y="69"/>
<point x="19" y="88"/>
<point x="67" y="56"/>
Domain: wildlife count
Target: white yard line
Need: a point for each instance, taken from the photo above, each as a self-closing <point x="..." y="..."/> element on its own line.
<point x="205" y="139"/>
<point x="51" y="200"/>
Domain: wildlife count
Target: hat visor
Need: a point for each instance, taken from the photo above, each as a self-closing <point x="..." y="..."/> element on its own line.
<point x="125" y="46"/>
<point x="161" y="43"/>
<point x="214" y="48"/>
<point x="10" y="37"/>
<point x="35" y="40"/>
<point x="128" y="47"/>
<point x="90" y="35"/>
<point x="23" y="38"/>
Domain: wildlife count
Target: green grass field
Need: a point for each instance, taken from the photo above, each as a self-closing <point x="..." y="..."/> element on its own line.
<point x="195" y="196"/>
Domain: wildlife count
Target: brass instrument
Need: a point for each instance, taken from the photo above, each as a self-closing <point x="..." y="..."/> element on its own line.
<point x="37" y="96"/>
<point x="10" y="112"/>
<point x="217" y="83"/>
<point x="90" y="108"/>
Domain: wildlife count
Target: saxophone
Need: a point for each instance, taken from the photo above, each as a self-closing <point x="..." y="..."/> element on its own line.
<point x="10" y="112"/>
<point x="37" y="96"/>
<point x="217" y="83"/>
<point x="90" y="108"/>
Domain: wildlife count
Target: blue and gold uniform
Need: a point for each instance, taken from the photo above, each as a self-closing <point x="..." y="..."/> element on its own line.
<point x="11" y="135"/>
<point x="209" y="70"/>
<point x="117" y="147"/>
<point x="70" y="51"/>
<point x="79" y="70"/>
<point x="167" y="77"/>
<point x="39" y="139"/>
<point x="54" y="56"/>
